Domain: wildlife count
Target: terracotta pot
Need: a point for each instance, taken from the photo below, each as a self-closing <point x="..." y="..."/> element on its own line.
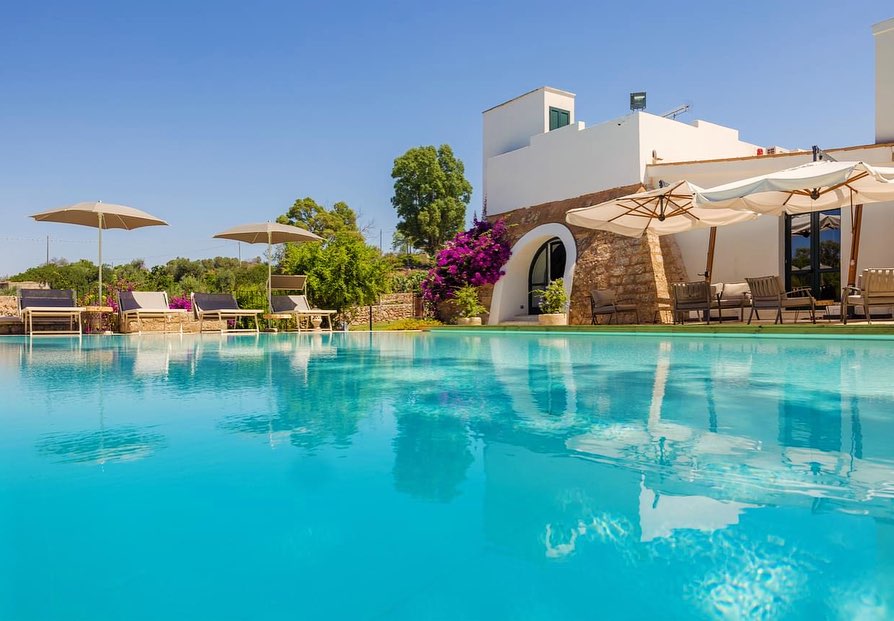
<point x="468" y="321"/>
<point x="552" y="319"/>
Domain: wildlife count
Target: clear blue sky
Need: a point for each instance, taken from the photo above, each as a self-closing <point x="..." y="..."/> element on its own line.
<point x="212" y="114"/>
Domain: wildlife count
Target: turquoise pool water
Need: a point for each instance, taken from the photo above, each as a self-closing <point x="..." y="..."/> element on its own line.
<point x="446" y="476"/>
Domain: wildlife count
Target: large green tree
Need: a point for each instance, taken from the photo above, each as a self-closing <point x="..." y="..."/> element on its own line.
<point x="431" y="194"/>
<point x="342" y="272"/>
<point x="327" y="223"/>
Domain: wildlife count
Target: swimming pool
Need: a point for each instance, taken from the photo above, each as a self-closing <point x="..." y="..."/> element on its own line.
<point x="446" y="476"/>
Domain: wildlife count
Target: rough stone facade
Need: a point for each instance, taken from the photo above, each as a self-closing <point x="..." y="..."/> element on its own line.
<point x="391" y="307"/>
<point x="637" y="269"/>
<point x="9" y="315"/>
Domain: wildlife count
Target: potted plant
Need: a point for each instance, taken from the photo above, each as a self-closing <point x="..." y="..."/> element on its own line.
<point x="468" y="305"/>
<point x="553" y="304"/>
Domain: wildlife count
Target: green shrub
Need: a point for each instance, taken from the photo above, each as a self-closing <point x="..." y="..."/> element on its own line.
<point x="554" y="299"/>
<point x="467" y="302"/>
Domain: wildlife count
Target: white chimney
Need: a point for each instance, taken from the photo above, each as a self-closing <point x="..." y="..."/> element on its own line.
<point x="884" y="81"/>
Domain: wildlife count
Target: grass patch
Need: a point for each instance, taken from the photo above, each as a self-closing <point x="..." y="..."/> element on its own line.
<point x="401" y="324"/>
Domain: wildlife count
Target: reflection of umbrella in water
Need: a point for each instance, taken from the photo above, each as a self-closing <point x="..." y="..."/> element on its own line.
<point x="123" y="443"/>
<point x="126" y="443"/>
<point x="807" y="268"/>
<point x="827" y="222"/>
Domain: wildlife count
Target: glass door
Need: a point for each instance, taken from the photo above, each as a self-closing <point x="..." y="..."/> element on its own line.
<point x="548" y="265"/>
<point x="813" y="253"/>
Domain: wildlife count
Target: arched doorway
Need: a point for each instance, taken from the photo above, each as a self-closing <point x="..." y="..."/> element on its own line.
<point x="548" y="265"/>
<point x="510" y="297"/>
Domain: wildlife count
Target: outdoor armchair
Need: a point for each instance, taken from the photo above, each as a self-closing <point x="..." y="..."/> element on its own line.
<point x="875" y="287"/>
<point x="769" y="292"/>
<point x="222" y="307"/>
<point x="149" y="305"/>
<point x="733" y="295"/>
<point x="692" y="296"/>
<point x="50" y="304"/>
<point x="604" y="302"/>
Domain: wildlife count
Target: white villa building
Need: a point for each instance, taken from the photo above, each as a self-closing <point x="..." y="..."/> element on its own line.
<point x="540" y="161"/>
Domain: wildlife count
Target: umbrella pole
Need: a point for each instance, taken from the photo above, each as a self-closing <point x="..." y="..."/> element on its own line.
<point x="709" y="265"/>
<point x="856" y="225"/>
<point x="99" y="299"/>
<point x="269" y="270"/>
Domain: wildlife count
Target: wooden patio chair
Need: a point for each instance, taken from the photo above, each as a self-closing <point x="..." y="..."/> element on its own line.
<point x="697" y="295"/>
<point x="769" y="292"/>
<point x="604" y="302"/>
<point x="875" y="287"/>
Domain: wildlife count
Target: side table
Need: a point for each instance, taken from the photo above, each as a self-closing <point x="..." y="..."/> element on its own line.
<point x="275" y="317"/>
<point x="93" y="315"/>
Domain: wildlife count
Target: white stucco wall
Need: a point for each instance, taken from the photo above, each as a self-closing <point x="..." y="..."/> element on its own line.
<point x="577" y="160"/>
<point x="510" y="125"/>
<point x="511" y="291"/>
<point x="884" y="80"/>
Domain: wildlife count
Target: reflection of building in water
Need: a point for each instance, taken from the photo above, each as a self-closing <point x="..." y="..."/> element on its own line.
<point x="431" y="456"/>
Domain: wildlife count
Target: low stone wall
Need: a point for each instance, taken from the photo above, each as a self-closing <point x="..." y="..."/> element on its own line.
<point x="9" y="306"/>
<point x="9" y="315"/>
<point x="189" y="324"/>
<point x="391" y="307"/>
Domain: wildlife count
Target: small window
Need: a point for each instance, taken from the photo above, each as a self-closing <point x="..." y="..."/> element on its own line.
<point x="558" y="118"/>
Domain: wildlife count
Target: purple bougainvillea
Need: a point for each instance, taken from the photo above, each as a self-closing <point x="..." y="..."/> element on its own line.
<point x="474" y="257"/>
<point x="180" y="301"/>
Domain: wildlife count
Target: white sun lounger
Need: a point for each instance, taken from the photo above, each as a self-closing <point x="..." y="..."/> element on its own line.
<point x="221" y="307"/>
<point x="141" y="305"/>
<point x="49" y="304"/>
<point x="297" y="305"/>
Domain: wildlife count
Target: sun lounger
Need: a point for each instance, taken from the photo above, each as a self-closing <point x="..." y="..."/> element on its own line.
<point x="50" y="304"/>
<point x="222" y="307"/>
<point x="875" y="287"/>
<point x="604" y="302"/>
<point x="769" y="292"/>
<point x="297" y="305"/>
<point x="141" y="305"/>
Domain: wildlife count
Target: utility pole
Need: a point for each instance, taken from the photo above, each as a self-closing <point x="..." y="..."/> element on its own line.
<point x="381" y="237"/>
<point x="48" y="249"/>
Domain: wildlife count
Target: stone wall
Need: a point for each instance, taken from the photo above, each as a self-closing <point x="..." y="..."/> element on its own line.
<point x="637" y="269"/>
<point x="9" y="315"/>
<point x="391" y="307"/>
<point x="9" y="306"/>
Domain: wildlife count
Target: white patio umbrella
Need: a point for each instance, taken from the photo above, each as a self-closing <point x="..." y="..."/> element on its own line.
<point x="101" y="216"/>
<point x="663" y="211"/>
<point x="817" y="186"/>
<point x="271" y="233"/>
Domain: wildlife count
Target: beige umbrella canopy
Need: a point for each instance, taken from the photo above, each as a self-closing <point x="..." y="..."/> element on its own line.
<point x="663" y="211"/>
<point x="271" y="233"/>
<point x="817" y="186"/>
<point x="101" y="216"/>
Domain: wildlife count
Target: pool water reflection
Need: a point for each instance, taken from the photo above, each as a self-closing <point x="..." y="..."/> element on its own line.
<point x="446" y="476"/>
